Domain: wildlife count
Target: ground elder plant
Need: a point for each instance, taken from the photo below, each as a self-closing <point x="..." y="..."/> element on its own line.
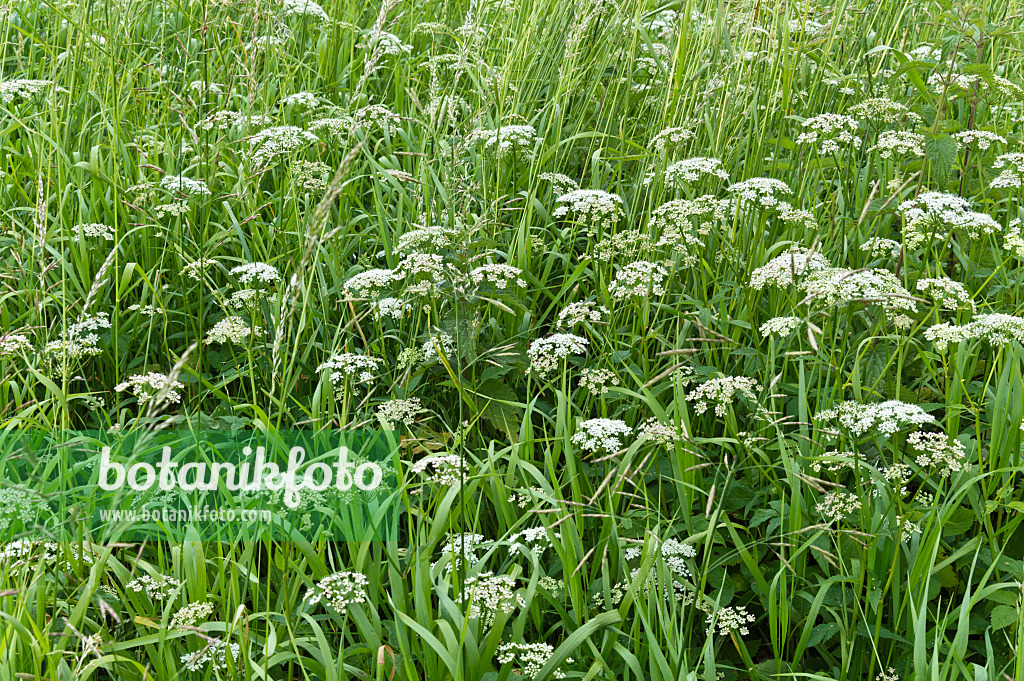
<point x="693" y="334"/>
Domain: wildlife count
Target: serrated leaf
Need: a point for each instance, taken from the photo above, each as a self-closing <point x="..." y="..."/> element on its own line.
<point x="941" y="150"/>
<point x="502" y="410"/>
<point x="822" y="633"/>
<point x="1003" y="616"/>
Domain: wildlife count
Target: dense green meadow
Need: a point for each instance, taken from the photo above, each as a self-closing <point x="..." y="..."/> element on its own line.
<point x="697" y="325"/>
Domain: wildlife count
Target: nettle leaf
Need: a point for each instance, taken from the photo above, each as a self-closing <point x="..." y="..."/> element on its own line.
<point x="983" y="70"/>
<point x="1003" y="616"/>
<point x="822" y="633"/>
<point x="503" y="410"/>
<point x="940" y="150"/>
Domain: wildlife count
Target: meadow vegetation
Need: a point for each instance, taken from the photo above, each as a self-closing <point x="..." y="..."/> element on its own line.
<point x="697" y="323"/>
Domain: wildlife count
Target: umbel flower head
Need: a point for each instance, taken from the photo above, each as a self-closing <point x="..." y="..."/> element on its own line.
<point x="339" y="591"/>
<point x="692" y="170"/>
<point x="831" y="132"/>
<point x="933" y="214"/>
<point x="546" y="353"/>
<point x="997" y="328"/>
<point x="639" y="278"/>
<point x="152" y="385"/>
<point x="721" y="392"/>
<point x="594" y="435"/>
<point x="593" y="207"/>
<point x="836" y="286"/>
<point x="233" y="329"/>
<point x="347" y="365"/>
<point x="884" y="418"/>
<point x="763" y="191"/>
<point x="508" y="141"/>
<point x="783" y="270"/>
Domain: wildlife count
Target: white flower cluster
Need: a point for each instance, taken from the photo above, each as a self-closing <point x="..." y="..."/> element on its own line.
<point x="488" y="594"/>
<point x="641" y="278"/>
<point x="393" y="412"/>
<point x="837" y="505"/>
<point x="332" y="130"/>
<point x="191" y="614"/>
<point x="311" y="176"/>
<point x="683" y="222"/>
<point x="692" y="170"/>
<point x="581" y="313"/>
<point x="593" y="207"/>
<point x="501" y="276"/>
<point x="948" y="293"/>
<point x="983" y="138"/>
<point x="882" y="112"/>
<point x="81" y="339"/>
<point x="831" y="132"/>
<point x="185" y="185"/>
<point x="214" y="654"/>
<point x="256" y="272"/>
<point x="899" y="143"/>
<point x="997" y="328"/>
<point x="156" y="588"/>
<point x="624" y="244"/>
<point x="377" y="116"/>
<point x="561" y="184"/>
<point x="339" y="591"/>
<point x="194" y="270"/>
<point x="14" y="344"/>
<point x="531" y="657"/>
<point x="442" y="340"/>
<point x="233" y="330"/>
<point x="885" y="418"/>
<point x="779" y="326"/>
<point x="348" y="365"/>
<point x="671" y="136"/>
<point x="596" y="380"/>
<point x="1012" y="174"/>
<point x="370" y="282"/>
<point x="782" y="270"/>
<point x="389" y="307"/>
<point x="278" y="141"/>
<point x="423" y="239"/>
<point x="458" y="548"/>
<point x="674" y="553"/>
<point x="937" y="450"/>
<point x="442" y="469"/>
<point x="21" y="549"/>
<point x="97" y="230"/>
<point x="535" y="538"/>
<point x="546" y="353"/>
<point x="594" y="435"/>
<point x="22" y="88"/>
<point x="733" y="618"/>
<point x="384" y="43"/>
<point x="508" y="141"/>
<point x="764" y="191"/>
<point x="840" y="286"/>
<point x="653" y="430"/>
<point x="879" y="247"/>
<point x="933" y="210"/>
<point x="152" y="385"/>
<point x="721" y="392"/>
<point x="19" y="504"/>
<point x="304" y="8"/>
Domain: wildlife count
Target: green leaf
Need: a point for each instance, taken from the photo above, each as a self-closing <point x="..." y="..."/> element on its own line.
<point x="822" y="633"/>
<point x="940" y="150"/>
<point x="503" y="410"/>
<point x="1003" y="616"/>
